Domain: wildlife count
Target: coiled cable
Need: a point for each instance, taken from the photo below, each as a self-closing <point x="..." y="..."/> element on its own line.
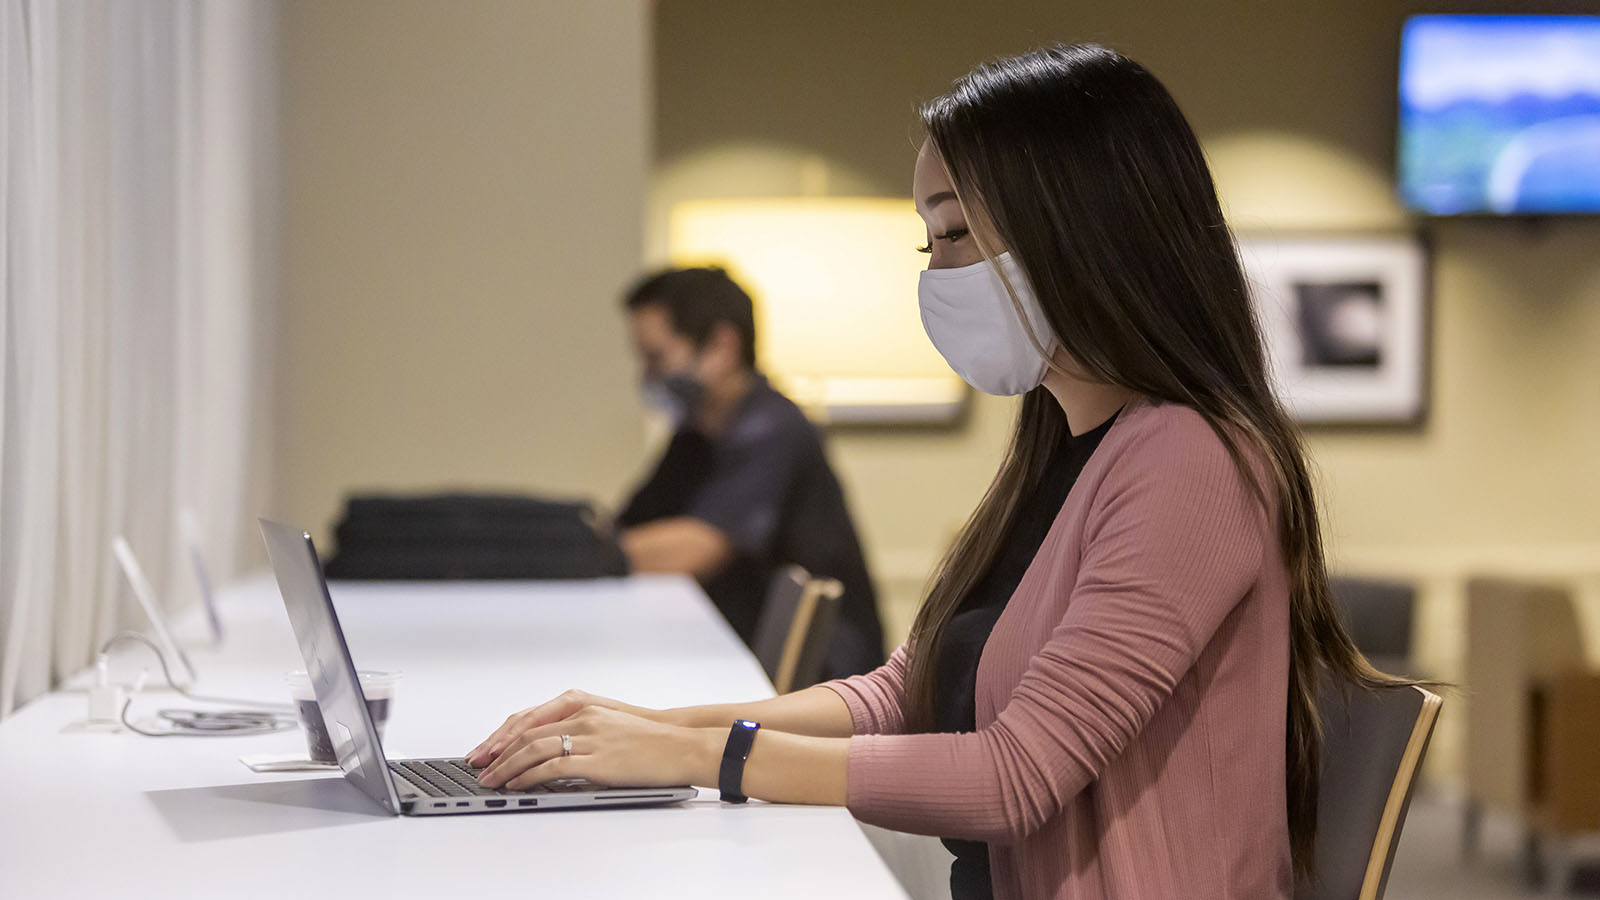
<point x="264" y="719"/>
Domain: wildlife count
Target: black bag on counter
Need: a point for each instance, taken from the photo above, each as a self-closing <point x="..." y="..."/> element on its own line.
<point x="470" y="536"/>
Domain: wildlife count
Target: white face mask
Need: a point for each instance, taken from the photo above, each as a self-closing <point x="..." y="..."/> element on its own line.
<point x="974" y="325"/>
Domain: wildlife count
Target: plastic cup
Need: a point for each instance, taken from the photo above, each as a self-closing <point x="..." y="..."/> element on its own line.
<point x="378" y="689"/>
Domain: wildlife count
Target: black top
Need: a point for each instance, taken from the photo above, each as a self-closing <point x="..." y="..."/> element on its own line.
<point x="961" y="643"/>
<point x="765" y="483"/>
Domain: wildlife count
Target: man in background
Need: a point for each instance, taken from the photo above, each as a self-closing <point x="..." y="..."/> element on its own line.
<point x="744" y="486"/>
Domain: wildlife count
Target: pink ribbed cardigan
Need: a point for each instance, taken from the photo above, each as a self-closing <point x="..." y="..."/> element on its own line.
<point x="1130" y="701"/>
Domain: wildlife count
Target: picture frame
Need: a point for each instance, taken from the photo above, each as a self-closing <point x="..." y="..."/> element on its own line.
<point x="1345" y="318"/>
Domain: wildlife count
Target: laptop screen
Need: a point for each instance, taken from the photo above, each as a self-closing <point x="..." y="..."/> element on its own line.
<point x="328" y="663"/>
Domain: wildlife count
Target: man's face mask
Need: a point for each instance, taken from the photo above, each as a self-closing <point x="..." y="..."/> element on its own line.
<point x="676" y="395"/>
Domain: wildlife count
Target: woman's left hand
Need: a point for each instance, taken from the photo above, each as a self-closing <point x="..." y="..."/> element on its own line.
<point x="609" y="747"/>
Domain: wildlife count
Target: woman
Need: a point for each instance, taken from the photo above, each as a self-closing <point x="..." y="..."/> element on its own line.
<point x="1109" y="690"/>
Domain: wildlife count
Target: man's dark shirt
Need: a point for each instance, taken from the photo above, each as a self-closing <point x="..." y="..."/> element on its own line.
<point x="766" y="485"/>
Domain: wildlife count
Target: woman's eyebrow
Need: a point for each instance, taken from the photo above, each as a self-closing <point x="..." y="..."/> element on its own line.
<point x="937" y="198"/>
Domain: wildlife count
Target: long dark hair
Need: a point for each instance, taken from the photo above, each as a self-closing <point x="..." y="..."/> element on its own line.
<point x="1092" y="178"/>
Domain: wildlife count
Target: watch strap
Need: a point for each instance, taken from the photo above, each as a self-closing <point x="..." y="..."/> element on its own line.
<point x="730" y="780"/>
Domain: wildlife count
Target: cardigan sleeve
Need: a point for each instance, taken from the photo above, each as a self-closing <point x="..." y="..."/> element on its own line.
<point x="876" y="699"/>
<point x="1174" y="539"/>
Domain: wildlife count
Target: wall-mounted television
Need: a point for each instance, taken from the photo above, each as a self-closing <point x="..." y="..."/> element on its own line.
<point x="1500" y="115"/>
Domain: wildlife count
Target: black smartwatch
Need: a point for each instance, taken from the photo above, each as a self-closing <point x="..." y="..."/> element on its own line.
<point x="741" y="737"/>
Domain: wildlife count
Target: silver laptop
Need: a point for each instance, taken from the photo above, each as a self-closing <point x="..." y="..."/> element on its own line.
<point x="189" y="534"/>
<point x="413" y="787"/>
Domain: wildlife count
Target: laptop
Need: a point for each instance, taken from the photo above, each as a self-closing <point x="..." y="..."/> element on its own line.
<point x="189" y="534"/>
<point x="412" y="787"/>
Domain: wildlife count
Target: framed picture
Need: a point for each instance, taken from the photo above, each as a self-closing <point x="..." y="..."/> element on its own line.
<point x="1346" y="324"/>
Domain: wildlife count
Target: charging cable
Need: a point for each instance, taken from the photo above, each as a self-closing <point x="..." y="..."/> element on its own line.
<point x="104" y="697"/>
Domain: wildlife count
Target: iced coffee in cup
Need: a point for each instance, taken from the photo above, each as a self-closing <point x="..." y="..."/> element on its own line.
<point x="376" y="687"/>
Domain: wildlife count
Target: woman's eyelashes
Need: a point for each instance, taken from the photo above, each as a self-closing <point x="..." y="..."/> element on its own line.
<point x="953" y="235"/>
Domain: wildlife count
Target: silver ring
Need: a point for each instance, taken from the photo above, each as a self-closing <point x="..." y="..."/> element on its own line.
<point x="566" y="745"/>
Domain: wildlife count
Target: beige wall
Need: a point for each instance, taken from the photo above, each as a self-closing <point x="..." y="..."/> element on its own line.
<point x="463" y="185"/>
<point x="1297" y="113"/>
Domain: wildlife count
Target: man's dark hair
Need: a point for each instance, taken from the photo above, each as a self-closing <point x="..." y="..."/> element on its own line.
<point x="696" y="301"/>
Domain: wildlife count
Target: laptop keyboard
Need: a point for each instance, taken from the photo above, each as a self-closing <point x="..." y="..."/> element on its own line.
<point x="455" y="778"/>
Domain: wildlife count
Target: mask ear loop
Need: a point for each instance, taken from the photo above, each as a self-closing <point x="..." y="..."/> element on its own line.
<point x="1011" y="291"/>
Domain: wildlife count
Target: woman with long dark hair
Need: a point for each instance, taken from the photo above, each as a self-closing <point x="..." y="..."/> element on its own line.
<point x="1110" y="690"/>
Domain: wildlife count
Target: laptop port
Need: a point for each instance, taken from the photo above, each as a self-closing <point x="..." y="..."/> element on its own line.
<point x="494" y="804"/>
<point x="527" y="801"/>
<point x="437" y="805"/>
<point x="462" y="803"/>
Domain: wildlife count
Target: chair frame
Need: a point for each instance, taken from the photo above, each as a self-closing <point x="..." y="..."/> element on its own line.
<point x="1383" y="843"/>
<point x="814" y="592"/>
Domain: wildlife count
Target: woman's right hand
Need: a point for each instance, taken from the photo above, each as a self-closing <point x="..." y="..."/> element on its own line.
<point x="567" y="704"/>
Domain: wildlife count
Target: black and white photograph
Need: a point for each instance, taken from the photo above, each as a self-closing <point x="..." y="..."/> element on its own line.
<point x="1340" y="323"/>
<point x="1344" y="318"/>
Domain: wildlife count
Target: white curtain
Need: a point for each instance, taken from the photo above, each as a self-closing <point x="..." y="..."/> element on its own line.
<point x="136" y="235"/>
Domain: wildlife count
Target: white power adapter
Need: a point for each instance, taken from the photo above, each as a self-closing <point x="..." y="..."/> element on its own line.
<point x="105" y="699"/>
<point x="108" y="704"/>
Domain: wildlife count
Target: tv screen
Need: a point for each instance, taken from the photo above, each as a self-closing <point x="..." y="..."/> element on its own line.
<point x="1500" y="114"/>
